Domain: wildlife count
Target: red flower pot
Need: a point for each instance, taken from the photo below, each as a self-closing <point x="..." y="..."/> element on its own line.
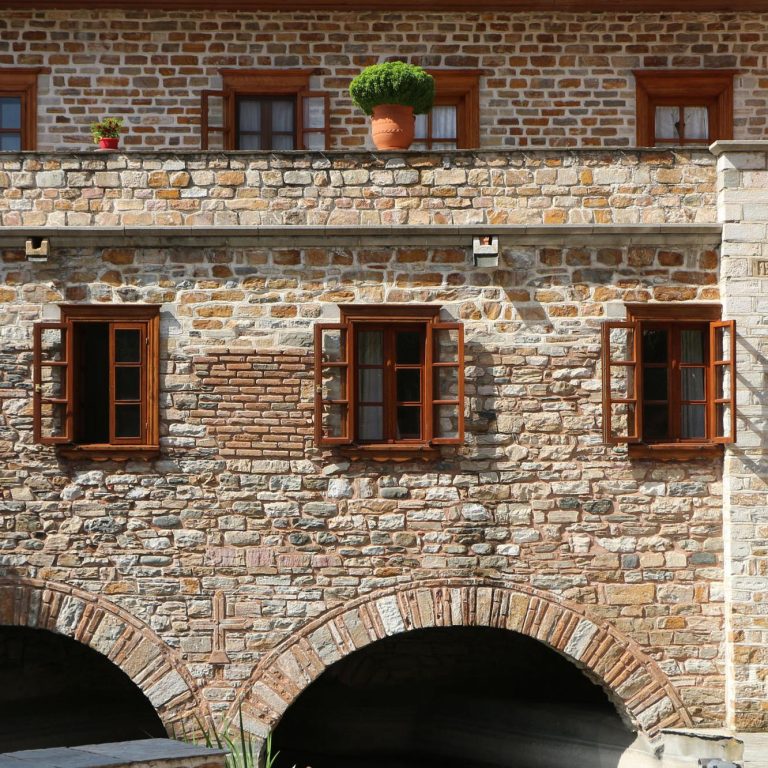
<point x="392" y="126"/>
<point x="108" y="143"/>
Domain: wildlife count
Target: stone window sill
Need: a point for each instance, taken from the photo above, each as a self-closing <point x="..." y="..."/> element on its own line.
<point x="109" y="452"/>
<point x="674" y="451"/>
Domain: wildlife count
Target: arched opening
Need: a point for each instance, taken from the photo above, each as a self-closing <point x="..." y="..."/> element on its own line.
<point x="58" y="692"/>
<point x="452" y="697"/>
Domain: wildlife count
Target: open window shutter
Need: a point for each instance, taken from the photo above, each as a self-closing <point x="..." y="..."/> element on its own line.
<point x="445" y="383"/>
<point x="128" y="408"/>
<point x="52" y="402"/>
<point x="313" y="120"/>
<point x="722" y="401"/>
<point x="622" y="421"/>
<point x="333" y="384"/>
<point x="213" y="120"/>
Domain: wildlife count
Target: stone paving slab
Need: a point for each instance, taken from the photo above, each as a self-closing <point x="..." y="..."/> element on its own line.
<point x="120" y="753"/>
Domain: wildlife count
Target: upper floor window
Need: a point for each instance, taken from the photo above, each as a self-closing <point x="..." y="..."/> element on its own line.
<point x="389" y="378"/>
<point x="669" y="379"/>
<point x="265" y="110"/>
<point x="18" y="109"/>
<point x="96" y="379"/>
<point x="454" y="121"/>
<point x="684" y="106"/>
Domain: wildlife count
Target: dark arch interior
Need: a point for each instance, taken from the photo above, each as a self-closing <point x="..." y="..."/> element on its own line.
<point x="453" y="697"/>
<point x="56" y="692"/>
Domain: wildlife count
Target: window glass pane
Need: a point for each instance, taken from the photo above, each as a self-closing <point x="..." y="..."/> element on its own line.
<point x="52" y="342"/>
<point x="52" y="419"/>
<point x="334" y="383"/>
<point x="334" y="420"/>
<point x="314" y="140"/>
<point x="128" y="346"/>
<point x="622" y="344"/>
<point x="420" y="128"/>
<point x="249" y="141"/>
<point x="128" y="421"/>
<point x="314" y="112"/>
<point x="128" y="383"/>
<point x="692" y="346"/>
<point x="444" y="145"/>
<point x="371" y="422"/>
<point x="446" y="383"/>
<point x="444" y="122"/>
<point x="408" y="347"/>
<point x="722" y="344"/>
<point x="370" y="345"/>
<point x="334" y="343"/>
<point x="283" y="114"/>
<point x="655" y="384"/>
<point x="53" y="381"/>
<point x="693" y="421"/>
<point x="696" y="123"/>
<point x="622" y="420"/>
<point x="419" y="145"/>
<point x="408" y="422"/>
<point x="409" y="385"/>
<point x="723" y="381"/>
<point x="446" y="423"/>
<point x="371" y="385"/>
<point x="10" y="142"/>
<point x="667" y="123"/>
<point x="446" y="345"/>
<point x="10" y="112"/>
<point x="655" y="422"/>
<point x="249" y="119"/>
<point x="282" y="143"/>
<point x="654" y="345"/>
<point x="692" y="383"/>
<point x="722" y="420"/>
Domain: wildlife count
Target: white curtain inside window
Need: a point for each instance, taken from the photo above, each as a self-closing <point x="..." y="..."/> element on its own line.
<point x="444" y="122"/>
<point x="696" y="123"/>
<point x="693" y="421"/>
<point x="667" y="122"/>
<point x="282" y="116"/>
<point x="250" y="115"/>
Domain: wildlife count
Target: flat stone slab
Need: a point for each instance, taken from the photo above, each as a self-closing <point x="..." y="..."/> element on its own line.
<point x="155" y="752"/>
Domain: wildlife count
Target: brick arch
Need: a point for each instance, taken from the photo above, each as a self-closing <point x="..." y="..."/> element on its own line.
<point x="633" y="681"/>
<point x="113" y="632"/>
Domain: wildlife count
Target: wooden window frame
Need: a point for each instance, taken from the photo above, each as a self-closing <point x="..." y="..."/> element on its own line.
<point x="145" y="318"/>
<point x="677" y="317"/>
<point x="22" y="83"/>
<point x="711" y="88"/>
<point x="265" y="83"/>
<point x="459" y="88"/>
<point x="355" y="317"/>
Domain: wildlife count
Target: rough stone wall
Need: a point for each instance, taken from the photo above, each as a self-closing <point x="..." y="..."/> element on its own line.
<point x="743" y="208"/>
<point x="547" y="80"/>
<point x="288" y="532"/>
<point x="542" y="187"/>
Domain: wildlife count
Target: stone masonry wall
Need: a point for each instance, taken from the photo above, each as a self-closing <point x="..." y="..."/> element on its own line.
<point x="288" y="532"/>
<point x="743" y="208"/>
<point x="193" y="189"/>
<point x="547" y="80"/>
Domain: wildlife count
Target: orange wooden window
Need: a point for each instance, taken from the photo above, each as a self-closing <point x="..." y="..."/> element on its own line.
<point x="454" y="121"/>
<point x="389" y="377"/>
<point x="96" y="379"/>
<point x="669" y="377"/>
<point x="265" y="110"/>
<point x="683" y="106"/>
<point x="18" y="109"/>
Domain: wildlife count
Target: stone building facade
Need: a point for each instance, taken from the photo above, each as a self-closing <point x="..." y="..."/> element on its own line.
<point x="226" y="570"/>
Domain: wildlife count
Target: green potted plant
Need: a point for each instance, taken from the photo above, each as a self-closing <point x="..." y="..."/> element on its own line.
<point x="392" y="93"/>
<point x="106" y="133"/>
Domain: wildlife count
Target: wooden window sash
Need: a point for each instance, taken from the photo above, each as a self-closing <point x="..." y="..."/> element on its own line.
<point x="38" y="400"/>
<point x="22" y="83"/>
<point x="460" y="87"/>
<point x="433" y="403"/>
<point x="206" y="129"/>
<point x="717" y="370"/>
<point x="114" y="365"/>
<point x="322" y="439"/>
<point x="634" y="425"/>
<point x="303" y="131"/>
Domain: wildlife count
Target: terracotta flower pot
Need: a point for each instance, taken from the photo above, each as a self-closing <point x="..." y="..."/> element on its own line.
<point x="108" y="143"/>
<point x="392" y="126"/>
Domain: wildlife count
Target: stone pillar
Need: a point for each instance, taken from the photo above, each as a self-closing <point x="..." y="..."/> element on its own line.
<point x="743" y="211"/>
